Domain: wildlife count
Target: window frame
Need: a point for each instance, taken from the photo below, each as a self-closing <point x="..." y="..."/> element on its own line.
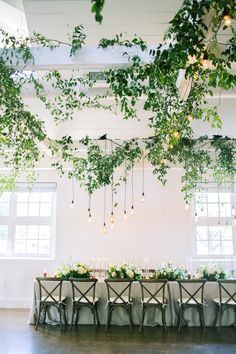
<point x="213" y="221"/>
<point x="12" y="220"/>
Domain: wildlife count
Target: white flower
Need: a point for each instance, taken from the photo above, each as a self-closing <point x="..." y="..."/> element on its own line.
<point x="65" y="270"/>
<point x="81" y="270"/>
<point x="113" y="274"/>
<point x="130" y="273"/>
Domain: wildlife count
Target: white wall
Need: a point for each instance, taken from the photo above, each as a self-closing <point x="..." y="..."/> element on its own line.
<point x="159" y="229"/>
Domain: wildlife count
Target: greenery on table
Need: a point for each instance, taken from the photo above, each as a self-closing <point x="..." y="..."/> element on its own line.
<point x="211" y="271"/>
<point x="74" y="270"/>
<point x="124" y="270"/>
<point x="169" y="271"/>
<point x="190" y="48"/>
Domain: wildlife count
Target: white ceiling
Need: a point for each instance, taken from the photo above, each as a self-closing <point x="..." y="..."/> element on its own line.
<point x="148" y="19"/>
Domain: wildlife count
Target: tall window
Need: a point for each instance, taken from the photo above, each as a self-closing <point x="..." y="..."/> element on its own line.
<point x="27" y="221"/>
<point x="215" y="222"/>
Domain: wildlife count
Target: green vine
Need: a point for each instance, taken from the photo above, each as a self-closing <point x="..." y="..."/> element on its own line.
<point x="191" y="46"/>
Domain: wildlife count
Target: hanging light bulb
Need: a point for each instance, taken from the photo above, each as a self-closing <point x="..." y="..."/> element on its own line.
<point x="112" y="220"/>
<point x="73" y="194"/>
<point x="196" y="217"/>
<point x="89" y="209"/>
<point x="233" y="210"/>
<point x="205" y="61"/>
<point x="176" y="135"/>
<point x="104" y="229"/>
<point x="189" y="118"/>
<point x="143" y="178"/>
<point x="125" y="214"/>
<point x="89" y="215"/>
<point x="132" y="210"/>
<point x="186" y="206"/>
<point x="112" y="217"/>
<point x="227" y="19"/>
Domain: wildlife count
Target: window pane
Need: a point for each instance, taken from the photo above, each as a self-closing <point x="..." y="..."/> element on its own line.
<point x="227" y="248"/>
<point x="215" y="247"/>
<point x="202" y="247"/>
<point x="213" y="210"/>
<point x="201" y="210"/>
<point x="21" y="232"/>
<point x="44" y="232"/>
<point x="201" y="198"/>
<point x="212" y="197"/>
<point x="5" y="197"/>
<point x="44" y="246"/>
<point x="22" y="209"/>
<point x="226" y="233"/>
<point x="32" y="232"/>
<point x="224" y="197"/>
<point x="202" y="233"/>
<point x="32" y="246"/>
<point x="214" y="232"/>
<point x="33" y="209"/>
<point x="4" y="209"/>
<point x="46" y="197"/>
<point x="20" y="246"/>
<point x="22" y="197"/>
<point x="225" y="210"/>
<point x="45" y="209"/>
<point x="3" y="238"/>
<point x="34" y="197"/>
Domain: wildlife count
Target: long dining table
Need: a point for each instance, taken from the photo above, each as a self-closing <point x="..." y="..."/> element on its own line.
<point x="153" y="316"/>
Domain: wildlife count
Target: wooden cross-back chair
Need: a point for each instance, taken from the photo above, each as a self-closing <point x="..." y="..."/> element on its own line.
<point x="50" y="294"/>
<point x="227" y="298"/>
<point x="191" y="296"/>
<point x="119" y="295"/>
<point x="153" y="295"/>
<point x="83" y="295"/>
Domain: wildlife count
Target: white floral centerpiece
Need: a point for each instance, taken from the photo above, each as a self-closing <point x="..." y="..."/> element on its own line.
<point x="169" y="271"/>
<point x="123" y="271"/>
<point x="211" y="271"/>
<point x="76" y="270"/>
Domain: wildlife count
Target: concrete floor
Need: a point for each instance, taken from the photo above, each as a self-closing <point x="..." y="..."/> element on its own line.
<point x="17" y="337"/>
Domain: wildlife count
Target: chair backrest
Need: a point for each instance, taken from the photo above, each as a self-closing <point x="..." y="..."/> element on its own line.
<point x="83" y="289"/>
<point x="154" y="290"/>
<point x="192" y="290"/>
<point x="50" y="289"/>
<point x="227" y="291"/>
<point x="119" y="290"/>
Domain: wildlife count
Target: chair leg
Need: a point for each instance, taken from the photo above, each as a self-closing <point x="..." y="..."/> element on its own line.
<point x="44" y="314"/>
<point x="130" y="317"/>
<point x="72" y="318"/>
<point x="64" y="313"/>
<point x="180" y="318"/>
<point x="220" y="318"/>
<point x="202" y="319"/>
<point x="109" y="310"/>
<point x="163" y="312"/>
<point x="96" y="311"/>
<point x="60" y="314"/>
<point x="38" y="317"/>
<point x="216" y="316"/>
<point x="142" y="318"/>
<point x="94" y="316"/>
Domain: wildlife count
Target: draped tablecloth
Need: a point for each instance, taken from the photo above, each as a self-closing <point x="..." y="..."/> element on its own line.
<point x="153" y="316"/>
